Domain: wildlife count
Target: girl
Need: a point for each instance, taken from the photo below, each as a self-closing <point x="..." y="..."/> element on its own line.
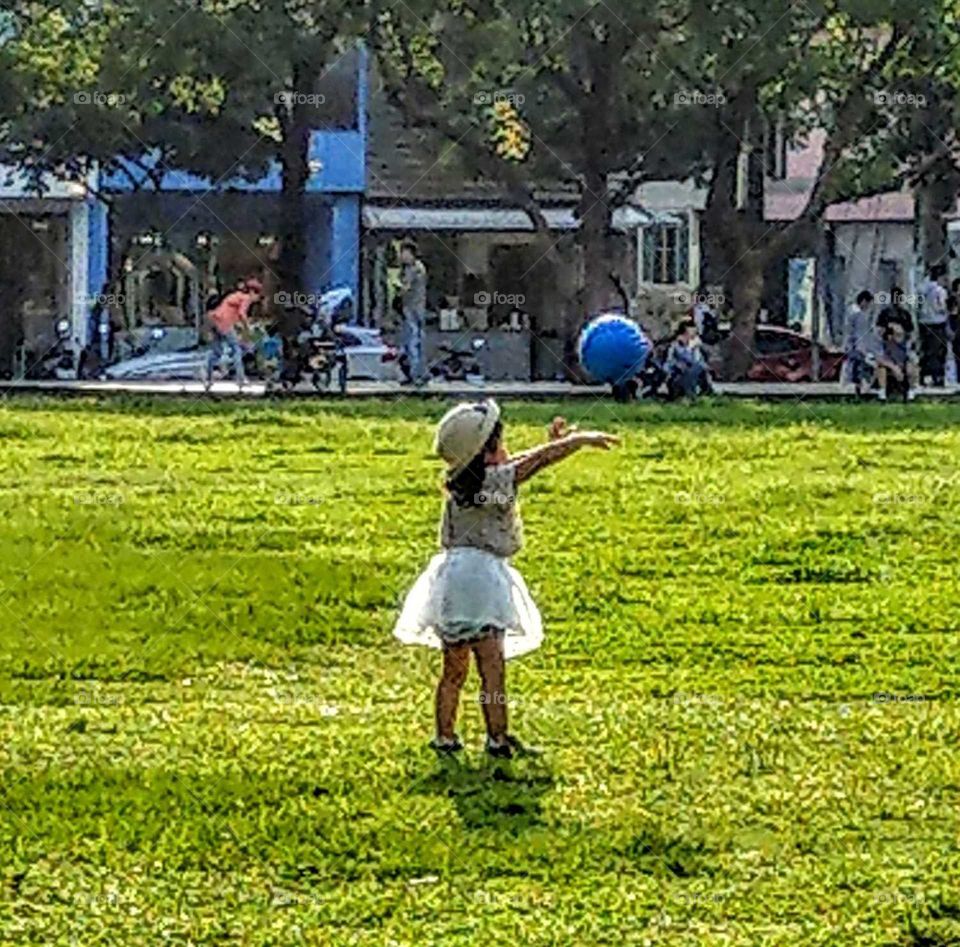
<point x="469" y="598"/>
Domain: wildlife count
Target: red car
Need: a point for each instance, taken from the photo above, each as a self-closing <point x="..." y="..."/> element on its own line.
<point x="787" y="356"/>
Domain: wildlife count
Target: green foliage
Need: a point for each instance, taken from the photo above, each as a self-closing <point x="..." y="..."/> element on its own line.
<point x="207" y="734"/>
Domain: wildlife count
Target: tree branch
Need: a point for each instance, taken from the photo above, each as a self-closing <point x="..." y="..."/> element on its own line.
<point x="844" y="130"/>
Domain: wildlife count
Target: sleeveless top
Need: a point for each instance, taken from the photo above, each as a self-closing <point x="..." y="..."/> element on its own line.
<point x="494" y="524"/>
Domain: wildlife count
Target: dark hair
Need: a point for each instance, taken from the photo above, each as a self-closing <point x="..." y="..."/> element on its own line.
<point x="408" y="245"/>
<point x="865" y="297"/>
<point x="466" y="485"/>
<point x="685" y="326"/>
<point x="896" y="296"/>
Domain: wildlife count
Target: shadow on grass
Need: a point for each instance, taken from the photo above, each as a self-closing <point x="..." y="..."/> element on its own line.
<point x="719" y="413"/>
<point x="505" y="796"/>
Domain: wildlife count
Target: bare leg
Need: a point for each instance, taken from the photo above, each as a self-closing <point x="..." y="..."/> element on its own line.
<point x="882" y="380"/>
<point x="456" y="664"/>
<point x="493" y="692"/>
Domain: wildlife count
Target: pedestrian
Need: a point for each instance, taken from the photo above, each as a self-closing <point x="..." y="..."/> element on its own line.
<point x="953" y="326"/>
<point x="933" y="328"/>
<point x="469" y="599"/>
<point x="231" y="313"/>
<point x="861" y="343"/>
<point x="414" y="301"/>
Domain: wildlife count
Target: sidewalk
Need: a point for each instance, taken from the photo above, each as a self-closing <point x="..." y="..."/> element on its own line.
<point x="544" y="391"/>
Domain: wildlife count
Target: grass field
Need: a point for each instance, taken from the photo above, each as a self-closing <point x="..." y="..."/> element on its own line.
<point x="747" y="696"/>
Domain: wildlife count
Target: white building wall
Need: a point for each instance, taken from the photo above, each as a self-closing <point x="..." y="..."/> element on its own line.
<point x="874" y="255"/>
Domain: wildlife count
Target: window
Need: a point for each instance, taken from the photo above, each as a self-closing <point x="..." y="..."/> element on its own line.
<point x="666" y="254"/>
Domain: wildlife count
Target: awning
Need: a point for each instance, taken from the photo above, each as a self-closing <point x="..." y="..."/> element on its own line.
<point x="486" y="219"/>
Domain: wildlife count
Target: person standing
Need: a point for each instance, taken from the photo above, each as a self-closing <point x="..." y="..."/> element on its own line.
<point x="413" y="296"/>
<point x="861" y="342"/>
<point x="232" y="312"/>
<point x="953" y="325"/>
<point x="933" y="328"/>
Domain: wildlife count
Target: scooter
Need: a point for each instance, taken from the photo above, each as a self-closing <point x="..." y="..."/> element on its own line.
<point x="459" y="365"/>
<point x="59" y="362"/>
<point x="312" y="348"/>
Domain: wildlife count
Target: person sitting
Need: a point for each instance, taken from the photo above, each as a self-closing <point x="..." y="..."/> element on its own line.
<point x="897" y="369"/>
<point x="687" y="373"/>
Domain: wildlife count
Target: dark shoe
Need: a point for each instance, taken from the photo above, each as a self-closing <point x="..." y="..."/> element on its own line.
<point x="510" y="747"/>
<point x="446" y="747"/>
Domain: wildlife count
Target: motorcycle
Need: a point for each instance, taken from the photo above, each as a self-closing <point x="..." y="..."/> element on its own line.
<point x="59" y="361"/>
<point x="459" y="365"/>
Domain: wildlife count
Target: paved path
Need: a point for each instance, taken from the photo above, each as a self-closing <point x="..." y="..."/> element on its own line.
<point x="506" y="390"/>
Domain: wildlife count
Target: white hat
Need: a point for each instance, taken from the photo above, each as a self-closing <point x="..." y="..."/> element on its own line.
<point x="464" y="431"/>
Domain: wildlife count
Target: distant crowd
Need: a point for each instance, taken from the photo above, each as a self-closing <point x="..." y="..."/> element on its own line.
<point x="888" y="349"/>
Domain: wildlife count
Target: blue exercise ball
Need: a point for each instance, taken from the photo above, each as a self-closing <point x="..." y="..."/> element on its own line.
<point x="613" y="348"/>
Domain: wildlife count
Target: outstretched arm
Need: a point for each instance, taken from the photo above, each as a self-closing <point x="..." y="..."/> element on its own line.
<point x="560" y="448"/>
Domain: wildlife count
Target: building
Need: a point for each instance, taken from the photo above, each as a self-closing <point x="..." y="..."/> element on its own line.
<point x="174" y="242"/>
<point x="154" y="245"/>
<point x="51" y="264"/>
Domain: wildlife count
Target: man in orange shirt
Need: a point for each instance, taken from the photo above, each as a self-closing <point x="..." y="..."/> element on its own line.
<point x="232" y="312"/>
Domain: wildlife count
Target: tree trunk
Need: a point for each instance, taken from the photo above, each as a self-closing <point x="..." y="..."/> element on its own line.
<point x="295" y="171"/>
<point x="746" y="282"/>
<point x="935" y="197"/>
<point x="598" y="290"/>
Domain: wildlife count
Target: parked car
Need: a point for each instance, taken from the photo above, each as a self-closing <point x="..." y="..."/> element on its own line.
<point x="787" y="356"/>
<point x="368" y="356"/>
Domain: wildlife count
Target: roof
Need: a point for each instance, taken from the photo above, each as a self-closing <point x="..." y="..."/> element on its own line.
<point x="486" y="219"/>
<point x="786" y="200"/>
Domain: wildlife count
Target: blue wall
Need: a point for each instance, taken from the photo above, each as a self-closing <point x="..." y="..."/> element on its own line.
<point x="333" y="238"/>
<point x="98" y="241"/>
<point x="333" y="246"/>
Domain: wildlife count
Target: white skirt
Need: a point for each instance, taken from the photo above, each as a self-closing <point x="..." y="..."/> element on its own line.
<point x="461" y="592"/>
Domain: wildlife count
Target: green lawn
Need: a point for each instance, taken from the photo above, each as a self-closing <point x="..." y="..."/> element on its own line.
<point x="208" y="735"/>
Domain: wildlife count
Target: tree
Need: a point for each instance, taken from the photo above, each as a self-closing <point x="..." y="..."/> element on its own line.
<point x="609" y="100"/>
<point x="544" y="94"/>
<point x="826" y="66"/>
<point x="221" y="88"/>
